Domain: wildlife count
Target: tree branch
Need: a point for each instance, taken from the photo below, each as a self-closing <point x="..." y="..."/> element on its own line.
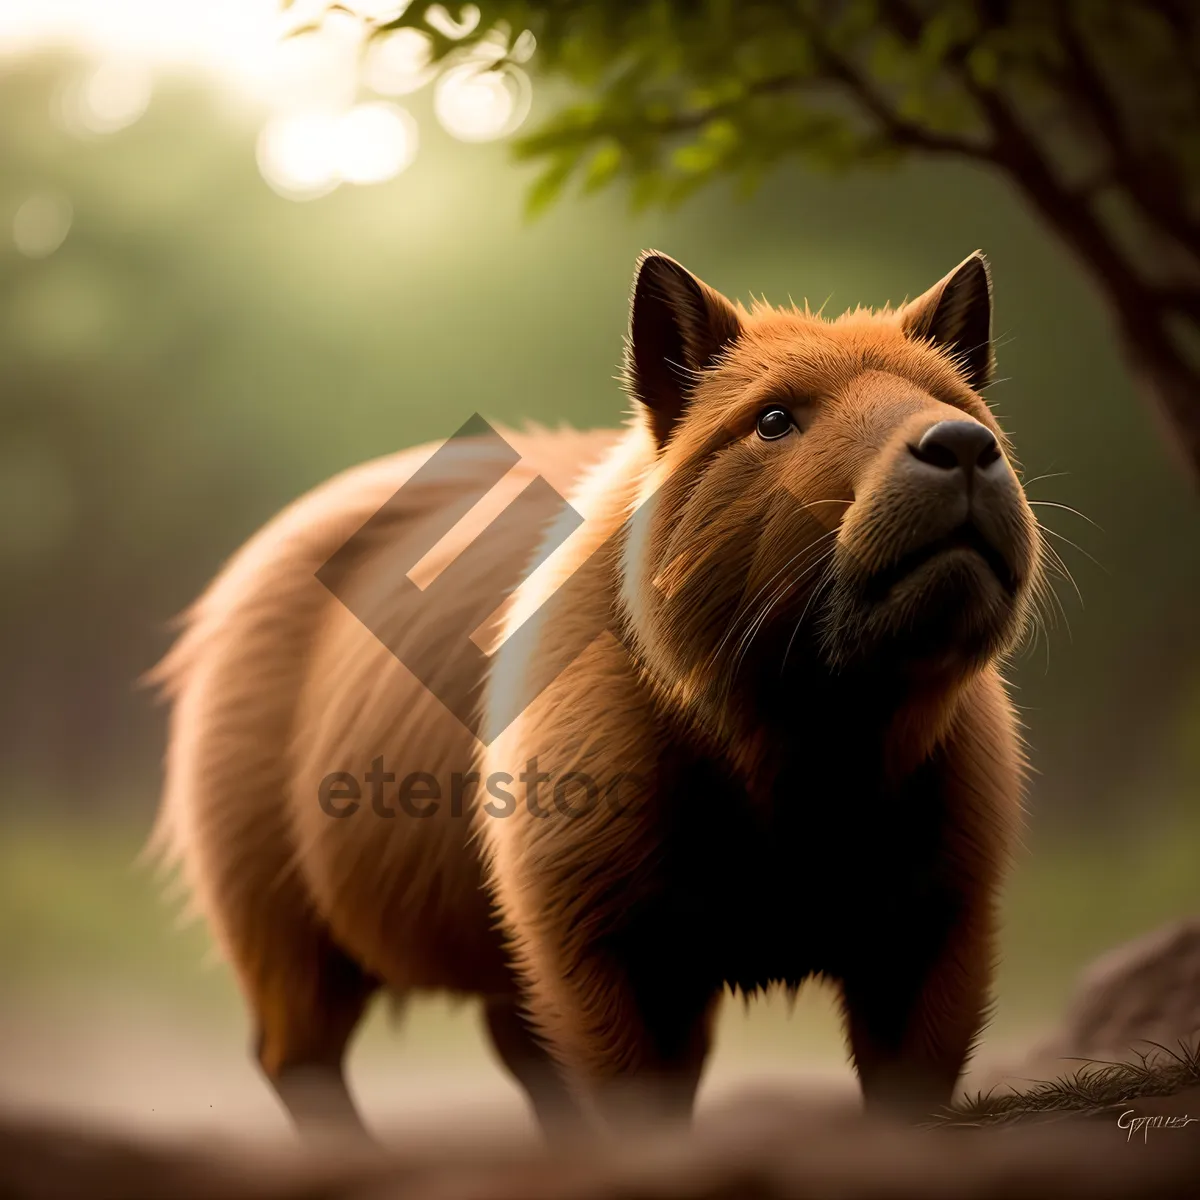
<point x="903" y="132"/>
<point x="1183" y="300"/>
<point x="1016" y="151"/>
<point x="1140" y="320"/>
<point x="1146" y="182"/>
<point x="1181" y="16"/>
<point x="897" y="130"/>
<point x="1081" y="74"/>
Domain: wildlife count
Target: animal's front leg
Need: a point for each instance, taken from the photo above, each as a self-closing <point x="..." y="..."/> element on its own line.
<point x="914" y="1012"/>
<point x="630" y="1031"/>
<point x="614" y="972"/>
<point x="917" y="988"/>
<point x="614" y="981"/>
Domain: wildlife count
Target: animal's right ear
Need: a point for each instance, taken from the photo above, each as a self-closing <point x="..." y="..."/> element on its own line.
<point x="677" y="327"/>
<point x="956" y="314"/>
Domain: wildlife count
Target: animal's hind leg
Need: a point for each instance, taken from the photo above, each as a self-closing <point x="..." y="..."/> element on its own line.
<point x="305" y="1021"/>
<point x="557" y="1111"/>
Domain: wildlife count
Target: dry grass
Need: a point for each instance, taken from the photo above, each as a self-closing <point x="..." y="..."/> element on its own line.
<point x="1094" y="1089"/>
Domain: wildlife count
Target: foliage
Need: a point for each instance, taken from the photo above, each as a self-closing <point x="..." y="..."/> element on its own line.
<point x="679" y="92"/>
<point x="199" y="351"/>
<point x="1090" y="107"/>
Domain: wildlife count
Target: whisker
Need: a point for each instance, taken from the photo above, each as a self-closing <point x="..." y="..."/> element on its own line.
<point x="745" y="618"/>
<point x="823" y="582"/>
<point x="1042" y="478"/>
<point x="1057" y="569"/>
<point x="1039" y="630"/>
<point x="744" y="608"/>
<point x="1052" y="594"/>
<point x="992" y="384"/>
<point x="1063" y="538"/>
<point x="1065" y="508"/>
<point x="756" y="618"/>
<point x="1045" y="616"/>
<point x="780" y="592"/>
<point x="1056" y="560"/>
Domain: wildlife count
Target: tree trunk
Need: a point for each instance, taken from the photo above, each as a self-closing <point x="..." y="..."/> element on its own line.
<point x="1152" y="322"/>
<point x="1158" y="326"/>
<point x="1164" y="374"/>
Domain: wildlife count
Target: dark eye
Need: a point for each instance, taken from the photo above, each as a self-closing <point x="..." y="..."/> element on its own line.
<point x="774" y="423"/>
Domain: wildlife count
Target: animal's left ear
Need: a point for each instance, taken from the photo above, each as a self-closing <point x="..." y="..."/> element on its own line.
<point x="956" y="314"/>
<point x="677" y="326"/>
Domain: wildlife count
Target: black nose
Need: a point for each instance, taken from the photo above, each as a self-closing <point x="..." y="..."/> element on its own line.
<point x="952" y="444"/>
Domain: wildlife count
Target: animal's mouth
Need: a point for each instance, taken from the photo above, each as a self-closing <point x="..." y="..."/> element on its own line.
<point x="965" y="537"/>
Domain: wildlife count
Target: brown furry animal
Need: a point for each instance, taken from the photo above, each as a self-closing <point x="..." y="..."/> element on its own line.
<point x="757" y="687"/>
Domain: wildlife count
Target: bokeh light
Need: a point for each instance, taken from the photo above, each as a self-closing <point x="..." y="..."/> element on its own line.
<point x="475" y="103"/>
<point x="107" y="97"/>
<point x="306" y="155"/>
<point x="41" y="224"/>
<point x="114" y="95"/>
<point x="313" y="71"/>
<point x="438" y="17"/>
<point x="297" y="155"/>
<point x="317" y="70"/>
<point x="233" y="39"/>
<point x="379" y="10"/>
<point x="375" y="142"/>
<point x="399" y="62"/>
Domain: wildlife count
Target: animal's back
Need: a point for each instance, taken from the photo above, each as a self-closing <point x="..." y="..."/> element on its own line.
<point x="276" y="685"/>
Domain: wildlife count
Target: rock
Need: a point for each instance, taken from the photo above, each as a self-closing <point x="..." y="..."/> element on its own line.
<point x="1141" y="999"/>
<point x="1137" y="997"/>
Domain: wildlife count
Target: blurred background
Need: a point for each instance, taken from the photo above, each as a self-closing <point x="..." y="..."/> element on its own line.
<point x="232" y="265"/>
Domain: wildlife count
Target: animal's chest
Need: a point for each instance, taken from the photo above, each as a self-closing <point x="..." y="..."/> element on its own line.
<point x="774" y="888"/>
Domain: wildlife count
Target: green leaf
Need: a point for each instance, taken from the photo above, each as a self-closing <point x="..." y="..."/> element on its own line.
<point x="889" y="58"/>
<point x="938" y="36"/>
<point x="602" y="168"/>
<point x="984" y="64"/>
<point x="548" y="186"/>
<point x="637" y="75"/>
<point x="695" y="158"/>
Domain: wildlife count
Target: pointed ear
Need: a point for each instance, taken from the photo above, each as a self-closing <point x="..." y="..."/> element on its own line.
<point x="677" y="326"/>
<point x="956" y="314"/>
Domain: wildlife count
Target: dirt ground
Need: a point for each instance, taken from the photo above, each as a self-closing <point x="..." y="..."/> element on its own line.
<point x="766" y="1147"/>
<point x="118" y="1096"/>
<point x="132" y="1104"/>
<point x="132" y="1064"/>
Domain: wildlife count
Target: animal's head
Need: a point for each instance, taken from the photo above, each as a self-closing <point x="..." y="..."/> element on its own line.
<point x="829" y="493"/>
